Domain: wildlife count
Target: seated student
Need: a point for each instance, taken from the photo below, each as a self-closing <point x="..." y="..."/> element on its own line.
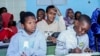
<point x="12" y="25"/>
<point x="50" y="25"/>
<point x="74" y="39"/>
<point x="5" y="34"/>
<point x="69" y="17"/>
<point x="40" y="14"/>
<point x="96" y="32"/>
<point x="77" y="15"/>
<point x="29" y="41"/>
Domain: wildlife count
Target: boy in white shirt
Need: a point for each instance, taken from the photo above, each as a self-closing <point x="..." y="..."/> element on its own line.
<point x="50" y="25"/>
<point x="74" y="39"/>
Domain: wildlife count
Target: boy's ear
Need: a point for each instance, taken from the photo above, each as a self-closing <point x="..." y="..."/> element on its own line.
<point x="22" y="25"/>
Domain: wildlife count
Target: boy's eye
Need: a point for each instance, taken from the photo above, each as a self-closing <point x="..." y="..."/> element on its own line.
<point x="29" y="22"/>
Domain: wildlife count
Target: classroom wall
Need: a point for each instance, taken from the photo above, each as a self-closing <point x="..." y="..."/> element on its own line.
<point x="80" y="5"/>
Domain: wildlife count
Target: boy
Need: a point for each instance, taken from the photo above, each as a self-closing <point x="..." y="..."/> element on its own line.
<point x="74" y="39"/>
<point x="28" y="41"/>
<point x="40" y="14"/>
<point x="50" y="25"/>
<point x="77" y="15"/>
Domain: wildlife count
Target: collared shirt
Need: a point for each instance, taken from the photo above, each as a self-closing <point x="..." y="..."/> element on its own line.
<point x="32" y="45"/>
<point x="68" y="40"/>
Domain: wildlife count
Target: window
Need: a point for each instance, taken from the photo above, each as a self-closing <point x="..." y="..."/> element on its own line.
<point x="14" y="7"/>
<point x="49" y="2"/>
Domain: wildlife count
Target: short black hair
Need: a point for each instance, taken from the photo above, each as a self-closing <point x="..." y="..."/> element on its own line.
<point x="77" y="13"/>
<point x="26" y="14"/>
<point x="49" y="7"/>
<point x="40" y="9"/>
<point x="86" y="18"/>
<point x="3" y="8"/>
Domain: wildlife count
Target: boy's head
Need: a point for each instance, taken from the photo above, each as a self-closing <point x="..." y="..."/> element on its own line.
<point x="40" y="14"/>
<point x="3" y="9"/>
<point x="1" y="22"/>
<point x="51" y="13"/>
<point x="28" y="22"/>
<point x="77" y="15"/>
<point x="82" y="25"/>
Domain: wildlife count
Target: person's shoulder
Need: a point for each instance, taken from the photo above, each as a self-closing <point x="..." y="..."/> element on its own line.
<point x="85" y="36"/>
<point x="55" y="22"/>
<point x="17" y="35"/>
<point x="70" y="26"/>
<point x="64" y="32"/>
<point x="68" y="32"/>
<point x="40" y="34"/>
<point x="43" y="21"/>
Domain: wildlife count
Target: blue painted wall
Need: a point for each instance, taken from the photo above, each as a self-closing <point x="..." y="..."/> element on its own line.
<point x="80" y="5"/>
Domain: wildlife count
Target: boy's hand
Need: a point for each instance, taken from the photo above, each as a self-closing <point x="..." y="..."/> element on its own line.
<point x="77" y="50"/>
<point x="58" y="12"/>
<point x="52" y="39"/>
<point x="88" y="50"/>
<point x="23" y="54"/>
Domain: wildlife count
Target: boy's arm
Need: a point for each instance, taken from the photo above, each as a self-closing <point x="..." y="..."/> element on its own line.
<point x="61" y="48"/>
<point x="13" y="47"/>
<point x="61" y="21"/>
<point x="86" y="45"/>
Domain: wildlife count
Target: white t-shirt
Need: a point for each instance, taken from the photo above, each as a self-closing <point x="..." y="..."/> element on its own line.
<point x="48" y="29"/>
<point x="68" y="40"/>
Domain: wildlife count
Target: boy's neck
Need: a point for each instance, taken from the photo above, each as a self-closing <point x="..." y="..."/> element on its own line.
<point x="48" y="22"/>
<point x="29" y="33"/>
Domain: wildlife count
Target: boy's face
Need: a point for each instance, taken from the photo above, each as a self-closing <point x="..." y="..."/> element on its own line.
<point x="30" y="24"/>
<point x="51" y="14"/>
<point x="41" y="15"/>
<point x="78" y="15"/>
<point x="82" y="28"/>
